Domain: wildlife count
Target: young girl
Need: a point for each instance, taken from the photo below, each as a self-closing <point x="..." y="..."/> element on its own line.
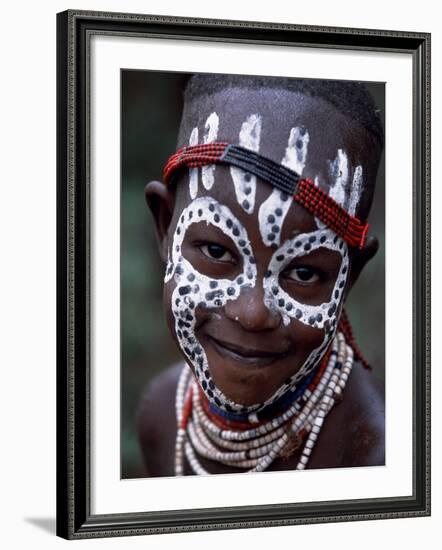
<point x="261" y="220"/>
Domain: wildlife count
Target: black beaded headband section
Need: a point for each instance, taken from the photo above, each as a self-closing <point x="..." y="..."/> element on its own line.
<point x="303" y="191"/>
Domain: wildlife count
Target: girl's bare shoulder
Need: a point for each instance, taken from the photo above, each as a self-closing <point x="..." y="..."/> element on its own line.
<point x="156" y="422"/>
<point x="362" y="416"/>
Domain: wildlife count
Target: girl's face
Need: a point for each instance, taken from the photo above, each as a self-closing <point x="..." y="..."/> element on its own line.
<point x="250" y="318"/>
<point x="254" y="284"/>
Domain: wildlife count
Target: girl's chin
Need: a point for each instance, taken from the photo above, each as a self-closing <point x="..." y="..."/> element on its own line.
<point x="247" y="383"/>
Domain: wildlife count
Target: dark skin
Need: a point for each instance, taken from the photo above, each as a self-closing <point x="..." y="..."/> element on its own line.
<point x="249" y="350"/>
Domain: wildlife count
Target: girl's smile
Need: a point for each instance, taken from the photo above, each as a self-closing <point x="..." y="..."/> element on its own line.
<point x="236" y="246"/>
<point x="276" y="306"/>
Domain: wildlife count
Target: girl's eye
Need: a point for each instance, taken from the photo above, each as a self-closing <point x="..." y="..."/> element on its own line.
<point x="303" y="275"/>
<point x="216" y="252"/>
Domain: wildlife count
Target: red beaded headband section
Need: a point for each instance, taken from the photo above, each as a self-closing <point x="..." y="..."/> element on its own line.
<point x="303" y="191"/>
<point x="323" y="207"/>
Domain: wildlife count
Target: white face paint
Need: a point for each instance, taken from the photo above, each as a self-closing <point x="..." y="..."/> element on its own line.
<point x="322" y="316"/>
<point x="271" y="216"/>
<point x="210" y="135"/>
<point x="318" y="222"/>
<point x="300" y="246"/>
<point x="345" y="194"/>
<point x="194" y="289"/>
<point x="296" y="152"/>
<point x="193" y="172"/>
<point x="274" y="210"/>
<point x="356" y="191"/>
<point x="244" y="182"/>
<point x="339" y="174"/>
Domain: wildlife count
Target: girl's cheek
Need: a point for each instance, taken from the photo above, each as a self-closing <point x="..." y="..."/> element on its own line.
<point x="303" y="337"/>
<point x="167" y="305"/>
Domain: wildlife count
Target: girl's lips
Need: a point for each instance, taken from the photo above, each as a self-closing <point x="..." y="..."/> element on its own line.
<point x="246" y="356"/>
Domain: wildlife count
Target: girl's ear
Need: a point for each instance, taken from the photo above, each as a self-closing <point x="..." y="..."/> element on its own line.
<point x="360" y="259"/>
<point x="161" y="202"/>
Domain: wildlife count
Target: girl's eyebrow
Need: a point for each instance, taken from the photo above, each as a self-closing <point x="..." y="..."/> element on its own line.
<point x="208" y="232"/>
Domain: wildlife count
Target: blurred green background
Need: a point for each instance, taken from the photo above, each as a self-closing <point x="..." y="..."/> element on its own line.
<point x="151" y="104"/>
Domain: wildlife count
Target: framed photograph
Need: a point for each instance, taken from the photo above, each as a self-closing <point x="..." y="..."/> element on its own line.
<point x="243" y="274"/>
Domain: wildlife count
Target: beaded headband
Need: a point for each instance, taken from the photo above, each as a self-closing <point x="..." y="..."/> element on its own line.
<point x="303" y="191"/>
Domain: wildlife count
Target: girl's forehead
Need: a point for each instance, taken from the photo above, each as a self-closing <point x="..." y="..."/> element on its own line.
<point x="278" y="111"/>
<point x="267" y="119"/>
<point x="295" y="221"/>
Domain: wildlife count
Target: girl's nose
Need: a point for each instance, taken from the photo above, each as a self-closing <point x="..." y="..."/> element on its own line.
<point x="250" y="311"/>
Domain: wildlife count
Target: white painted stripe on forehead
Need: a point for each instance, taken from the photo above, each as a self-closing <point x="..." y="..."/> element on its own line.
<point x="296" y="151"/>
<point x="356" y="191"/>
<point x="274" y="209"/>
<point x="319" y="223"/>
<point x="339" y="172"/>
<point x="250" y="134"/>
<point x="210" y="134"/>
<point x="193" y="172"/>
<point x="244" y="182"/>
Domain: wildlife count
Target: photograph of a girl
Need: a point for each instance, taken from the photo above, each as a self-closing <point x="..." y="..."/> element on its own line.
<point x="265" y="207"/>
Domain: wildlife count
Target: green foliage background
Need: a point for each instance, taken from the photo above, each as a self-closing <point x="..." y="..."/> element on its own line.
<point x="150" y="114"/>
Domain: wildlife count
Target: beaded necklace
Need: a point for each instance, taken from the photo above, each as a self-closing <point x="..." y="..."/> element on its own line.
<point x="255" y="447"/>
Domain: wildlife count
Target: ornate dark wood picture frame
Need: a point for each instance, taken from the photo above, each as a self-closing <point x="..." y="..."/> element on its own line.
<point x="75" y="217"/>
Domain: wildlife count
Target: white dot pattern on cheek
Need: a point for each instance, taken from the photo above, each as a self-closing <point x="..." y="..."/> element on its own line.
<point x="193" y="289"/>
<point x="276" y="298"/>
<point x="323" y="316"/>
